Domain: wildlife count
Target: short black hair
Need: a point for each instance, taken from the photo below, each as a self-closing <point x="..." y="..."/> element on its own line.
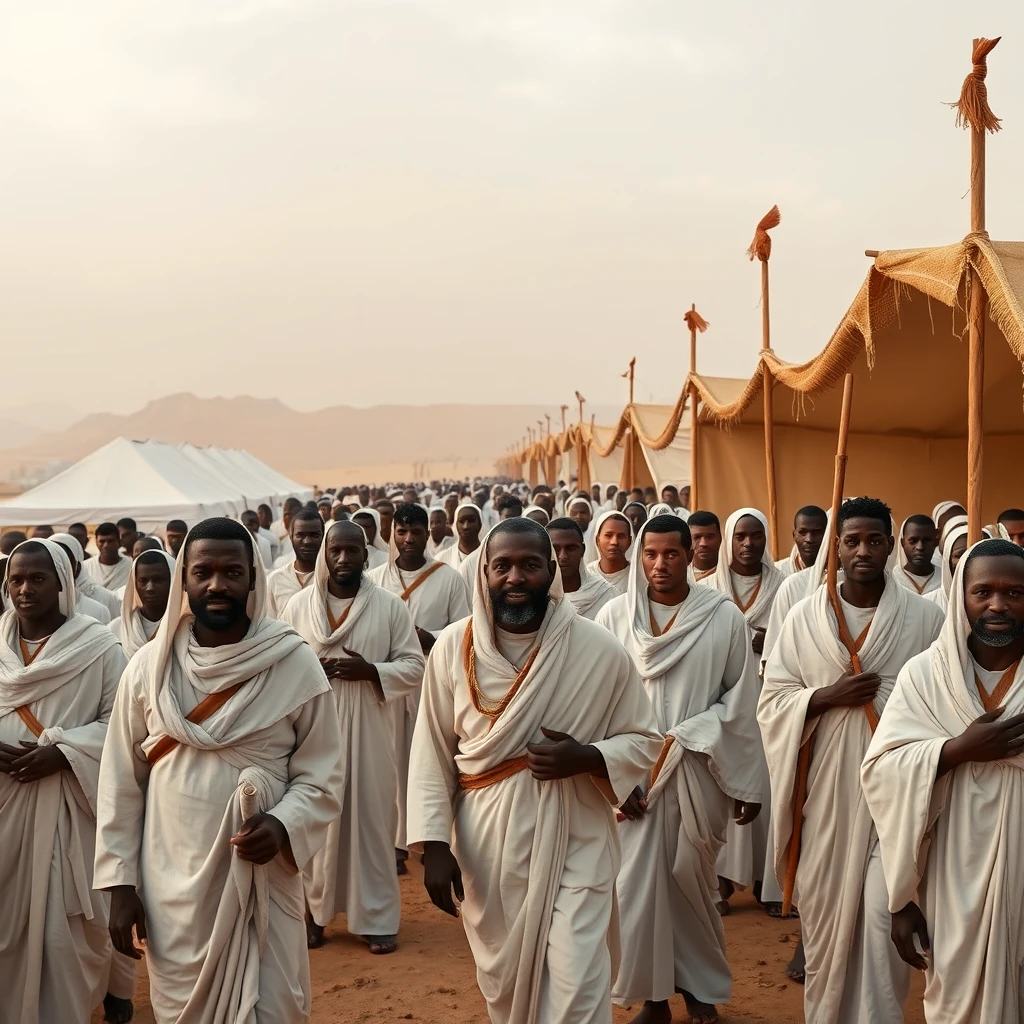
<point x="808" y="512"/>
<point x="10" y="540"/>
<point x="308" y="515"/>
<point x="565" y="523"/>
<point x="107" y="530"/>
<point x="995" y="548"/>
<point x="865" y="508"/>
<point x="385" y="503"/>
<point x="152" y="557"/>
<point x="668" y="523"/>
<point x="127" y="523"/>
<point x="1011" y="515"/>
<point x="178" y="526"/>
<point x="409" y="513"/>
<point x="262" y="506"/>
<point x="220" y="528"/>
<point x="291" y="504"/>
<point x="78" y="526"/>
<point x="507" y="501"/>
<point x="520" y="524"/>
<point x="704" y="518"/>
<point x="919" y="520"/>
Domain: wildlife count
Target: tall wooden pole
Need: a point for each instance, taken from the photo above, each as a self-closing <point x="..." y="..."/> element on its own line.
<point x="973" y="112"/>
<point x="761" y="248"/>
<point x="695" y="322"/>
<point x="565" y="409"/>
<point x="628" y="464"/>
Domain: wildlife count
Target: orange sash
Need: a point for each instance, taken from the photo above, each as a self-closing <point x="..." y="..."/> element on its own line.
<point x="490" y="709"/>
<point x="206" y="707"/>
<point x="990" y="701"/>
<point x="753" y="597"/>
<point x="336" y="624"/>
<point x="33" y="723"/>
<point x="668" y="625"/>
<point x="422" y="578"/>
<point x="499" y="773"/>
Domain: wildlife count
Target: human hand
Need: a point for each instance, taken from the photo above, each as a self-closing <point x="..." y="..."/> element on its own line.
<point x="757" y="640"/>
<point x="853" y="690"/>
<point x="990" y="737"/>
<point x="355" y="668"/>
<point x="427" y="640"/>
<point x="36" y="762"/>
<point x="745" y="813"/>
<point x="634" y="806"/>
<point x="563" y="758"/>
<point x="126" y="913"/>
<point x="442" y="876"/>
<point x="260" y="839"/>
<point x="907" y="923"/>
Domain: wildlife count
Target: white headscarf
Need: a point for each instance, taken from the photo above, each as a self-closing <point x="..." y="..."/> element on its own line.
<point x="603" y="518"/>
<point x="133" y="634"/>
<point x="942" y="508"/>
<point x="771" y="576"/>
<point x="589" y="547"/>
<point x="378" y="542"/>
<point x="537" y="508"/>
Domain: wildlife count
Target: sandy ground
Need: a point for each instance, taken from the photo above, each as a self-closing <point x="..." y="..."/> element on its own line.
<point x="431" y="978"/>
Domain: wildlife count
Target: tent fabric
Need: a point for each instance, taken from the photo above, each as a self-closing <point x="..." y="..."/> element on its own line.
<point x="152" y="482"/>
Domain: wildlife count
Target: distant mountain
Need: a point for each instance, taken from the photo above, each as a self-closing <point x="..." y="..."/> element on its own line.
<point x="300" y="443"/>
<point x="16" y="434"/>
<point x="44" y="417"/>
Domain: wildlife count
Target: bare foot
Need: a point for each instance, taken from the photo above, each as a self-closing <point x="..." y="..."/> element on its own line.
<point x="314" y="934"/>
<point x="795" y="967"/>
<point x="653" y="1013"/>
<point x="722" y="906"/>
<point x="700" y="1013"/>
<point x="380" y="944"/>
<point x="117" y="1011"/>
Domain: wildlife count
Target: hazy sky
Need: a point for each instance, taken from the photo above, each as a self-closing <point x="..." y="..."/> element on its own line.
<point x="377" y="201"/>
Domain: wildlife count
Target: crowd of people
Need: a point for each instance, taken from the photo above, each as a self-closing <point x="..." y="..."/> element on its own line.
<point x="593" y="715"/>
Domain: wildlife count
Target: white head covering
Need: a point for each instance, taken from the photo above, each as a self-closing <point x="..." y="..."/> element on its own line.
<point x="662" y="508"/>
<point x="942" y="508"/>
<point x="771" y="575"/>
<point x="61" y="563"/>
<point x="133" y="635"/>
<point x="378" y="542"/>
<point x="76" y="548"/>
<point x="537" y="508"/>
<point x="603" y="518"/>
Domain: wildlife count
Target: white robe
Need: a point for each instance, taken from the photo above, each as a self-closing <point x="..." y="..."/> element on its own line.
<point x="439" y="601"/>
<point x="95" y="610"/>
<point x="226" y="938"/>
<point x="594" y="593"/>
<point x="952" y="845"/>
<point x="435" y="549"/>
<point x="538" y="859"/>
<point x="54" y="945"/>
<point x="853" y="972"/>
<point x="110" y="577"/>
<point x="616" y="580"/>
<point x="354" y="873"/>
<point x="86" y="586"/>
<point x="701" y="677"/>
<point x="282" y="585"/>
<point x="791" y="564"/>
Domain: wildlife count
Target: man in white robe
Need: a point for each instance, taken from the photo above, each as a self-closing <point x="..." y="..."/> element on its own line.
<point x="944" y="781"/>
<point x="468" y="524"/>
<point x="706" y="534"/>
<point x="217" y="785"/>
<point x="436" y="596"/>
<point x="692" y="649"/>
<point x="367" y="645"/>
<point x="613" y="537"/>
<point x="747" y="574"/>
<point x="588" y="592"/>
<point x="59" y="672"/>
<point x="251" y="522"/>
<point x="110" y="568"/>
<point x="813" y="694"/>
<point x="305" y="534"/>
<point x="809" y="527"/>
<point x="439" y="538"/>
<point x="533" y="727"/>
<point x="916" y="569"/>
<point x="145" y="600"/>
<point x="582" y="511"/>
<point x="376" y="548"/>
<point x="83" y="605"/>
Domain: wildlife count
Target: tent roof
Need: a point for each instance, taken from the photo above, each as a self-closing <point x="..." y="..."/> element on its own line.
<point x="150" y="481"/>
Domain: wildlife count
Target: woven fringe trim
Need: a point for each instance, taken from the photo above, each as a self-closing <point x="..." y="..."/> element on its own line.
<point x="972" y="109"/>
<point x="695" y="322"/>
<point x="761" y="246"/>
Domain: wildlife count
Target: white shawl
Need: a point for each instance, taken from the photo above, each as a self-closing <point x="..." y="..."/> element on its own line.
<point x="771" y="576"/>
<point x="133" y="633"/>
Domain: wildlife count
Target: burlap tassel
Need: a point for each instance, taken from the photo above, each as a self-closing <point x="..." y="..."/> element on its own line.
<point x="761" y="246"/>
<point x="972" y="109"/>
<point x="695" y="322"/>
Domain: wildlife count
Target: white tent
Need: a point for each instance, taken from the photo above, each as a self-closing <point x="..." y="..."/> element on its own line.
<point x="152" y="482"/>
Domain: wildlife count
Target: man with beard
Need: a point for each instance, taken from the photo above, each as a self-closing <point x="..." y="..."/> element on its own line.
<point x="305" y="534"/>
<point x="367" y="645"/>
<point x="435" y="595"/>
<point x="468" y="523"/>
<point x="612" y="536"/>
<point x="943" y="781"/>
<point x="111" y="569"/>
<point x="588" y="592"/>
<point x="59" y="672"/>
<point x="809" y="526"/>
<point x="175" y="533"/>
<point x="812" y="693"/>
<point x="218" y="781"/>
<point x="706" y="534"/>
<point x="692" y="649"/>
<point x="917" y="570"/>
<point x="145" y="600"/>
<point x="538" y="717"/>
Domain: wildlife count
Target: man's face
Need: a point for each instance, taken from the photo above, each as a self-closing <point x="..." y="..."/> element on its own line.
<point x="364" y="495"/>
<point x="511" y="512"/>
<point x="81" y="534"/>
<point x="411" y="539"/>
<point x="251" y="522"/>
<point x="369" y="527"/>
<point x="706" y="542"/>
<point x="994" y="599"/>
<point x="324" y="508"/>
<point x="264" y="516"/>
<point x="410" y="495"/>
<point x="109" y="546"/>
<point x="957" y="552"/>
<point x="864" y="548"/>
<point x="518" y="574"/>
<point x="637" y="516"/>
<point x="1015" y="528"/>
<point x="620" y="500"/>
<point x="219" y="576"/>
<point x="127" y="538"/>
<point x="306" y="537"/>
<point x="581" y="514"/>
<point x="33" y="585"/>
<point x="387" y="515"/>
<point x="546" y="500"/>
<point x="174" y="541"/>
<point x="670" y="496"/>
<point x="919" y="546"/>
<point x="451" y="503"/>
<point x="345" y="553"/>
<point x="614" y="539"/>
<point x="808" y="535"/>
<point x="665" y="561"/>
<point x="595" y="492"/>
<point x="684" y="496"/>
<point x="467" y="525"/>
<point x="748" y="542"/>
<point x="568" y="549"/>
<point x="153" y="585"/>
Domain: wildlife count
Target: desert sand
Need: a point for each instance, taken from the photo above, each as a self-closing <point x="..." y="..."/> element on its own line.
<point x="431" y="979"/>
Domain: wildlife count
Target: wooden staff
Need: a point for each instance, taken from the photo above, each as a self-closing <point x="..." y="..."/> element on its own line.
<point x="695" y="322"/>
<point x="761" y="249"/>
<point x="803" y="766"/>
<point x="627" y="461"/>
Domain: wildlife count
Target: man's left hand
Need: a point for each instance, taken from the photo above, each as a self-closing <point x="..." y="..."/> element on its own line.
<point x="260" y="839"/>
<point x="356" y="669"/>
<point x="563" y="758"/>
<point x="745" y="813"/>
<point x="37" y="762"/>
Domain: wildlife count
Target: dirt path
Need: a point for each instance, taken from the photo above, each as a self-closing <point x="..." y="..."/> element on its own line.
<point x="431" y="978"/>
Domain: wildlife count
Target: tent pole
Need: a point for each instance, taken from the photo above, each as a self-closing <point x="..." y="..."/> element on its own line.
<point x="769" y="425"/>
<point x="694" y="459"/>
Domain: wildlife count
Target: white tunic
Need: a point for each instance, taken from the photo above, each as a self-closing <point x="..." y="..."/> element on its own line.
<point x="110" y="577"/>
<point x="282" y="585"/>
